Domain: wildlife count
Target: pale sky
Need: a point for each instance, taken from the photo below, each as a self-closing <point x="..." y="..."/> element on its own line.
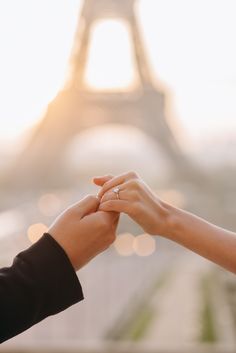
<point x="191" y="48"/>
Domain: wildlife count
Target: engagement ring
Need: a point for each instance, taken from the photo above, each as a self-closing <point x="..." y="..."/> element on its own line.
<point x="116" y="191"/>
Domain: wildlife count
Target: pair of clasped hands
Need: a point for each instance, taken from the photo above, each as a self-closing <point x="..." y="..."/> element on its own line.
<point x="88" y="227"/>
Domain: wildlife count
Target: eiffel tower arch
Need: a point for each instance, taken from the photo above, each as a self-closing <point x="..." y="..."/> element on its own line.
<point x="77" y="108"/>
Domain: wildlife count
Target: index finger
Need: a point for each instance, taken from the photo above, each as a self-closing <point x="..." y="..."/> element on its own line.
<point x="118" y="180"/>
<point x="101" y="180"/>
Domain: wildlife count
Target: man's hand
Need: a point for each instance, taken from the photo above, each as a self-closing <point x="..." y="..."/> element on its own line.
<point x="83" y="232"/>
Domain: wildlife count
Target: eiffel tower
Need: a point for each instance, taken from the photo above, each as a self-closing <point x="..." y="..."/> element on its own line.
<point x="77" y="108"/>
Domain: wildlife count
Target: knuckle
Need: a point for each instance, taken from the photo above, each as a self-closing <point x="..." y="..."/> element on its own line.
<point x="106" y="184"/>
<point x="132" y="174"/>
<point x="91" y="198"/>
<point x="130" y="184"/>
<point x="134" y="184"/>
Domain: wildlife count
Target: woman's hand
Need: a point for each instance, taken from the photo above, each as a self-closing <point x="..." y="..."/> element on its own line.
<point x="135" y="199"/>
<point x="156" y="217"/>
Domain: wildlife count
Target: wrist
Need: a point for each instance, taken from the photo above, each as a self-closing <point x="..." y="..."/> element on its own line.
<point x="172" y="223"/>
<point x="62" y="242"/>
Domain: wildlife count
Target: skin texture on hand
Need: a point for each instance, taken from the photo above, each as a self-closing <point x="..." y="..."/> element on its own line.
<point x="136" y="200"/>
<point x="156" y="217"/>
<point x="83" y="231"/>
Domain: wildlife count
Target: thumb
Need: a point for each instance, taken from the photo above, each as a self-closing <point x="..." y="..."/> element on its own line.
<point x="115" y="206"/>
<point x="87" y="205"/>
<point x="111" y="216"/>
<point x="101" y="180"/>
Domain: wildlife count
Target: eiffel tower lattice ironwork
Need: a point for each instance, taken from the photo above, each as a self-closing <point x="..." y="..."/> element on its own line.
<point x="76" y="108"/>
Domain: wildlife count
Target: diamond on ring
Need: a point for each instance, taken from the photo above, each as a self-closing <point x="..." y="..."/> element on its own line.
<point x="116" y="191"/>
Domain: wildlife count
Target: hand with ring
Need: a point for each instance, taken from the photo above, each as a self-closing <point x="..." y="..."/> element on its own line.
<point x="129" y="194"/>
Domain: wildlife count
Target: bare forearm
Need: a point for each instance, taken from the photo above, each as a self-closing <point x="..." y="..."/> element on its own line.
<point x="206" y="239"/>
<point x="136" y="199"/>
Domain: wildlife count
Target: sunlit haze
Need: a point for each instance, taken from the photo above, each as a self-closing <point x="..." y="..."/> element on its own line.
<point x="84" y="95"/>
<point x="110" y="71"/>
<point x="192" y="57"/>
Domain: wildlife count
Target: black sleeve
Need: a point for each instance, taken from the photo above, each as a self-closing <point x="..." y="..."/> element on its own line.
<point x="40" y="282"/>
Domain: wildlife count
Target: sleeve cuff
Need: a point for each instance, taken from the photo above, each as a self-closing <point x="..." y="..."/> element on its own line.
<point x="55" y="275"/>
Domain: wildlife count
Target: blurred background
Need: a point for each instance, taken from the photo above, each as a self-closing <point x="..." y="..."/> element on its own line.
<point x="104" y="86"/>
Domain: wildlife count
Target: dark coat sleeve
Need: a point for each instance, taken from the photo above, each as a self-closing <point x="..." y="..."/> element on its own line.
<point x="40" y="282"/>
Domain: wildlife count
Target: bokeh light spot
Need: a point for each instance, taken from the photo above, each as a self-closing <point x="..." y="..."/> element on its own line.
<point x="36" y="231"/>
<point x="124" y="244"/>
<point x="144" y="245"/>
